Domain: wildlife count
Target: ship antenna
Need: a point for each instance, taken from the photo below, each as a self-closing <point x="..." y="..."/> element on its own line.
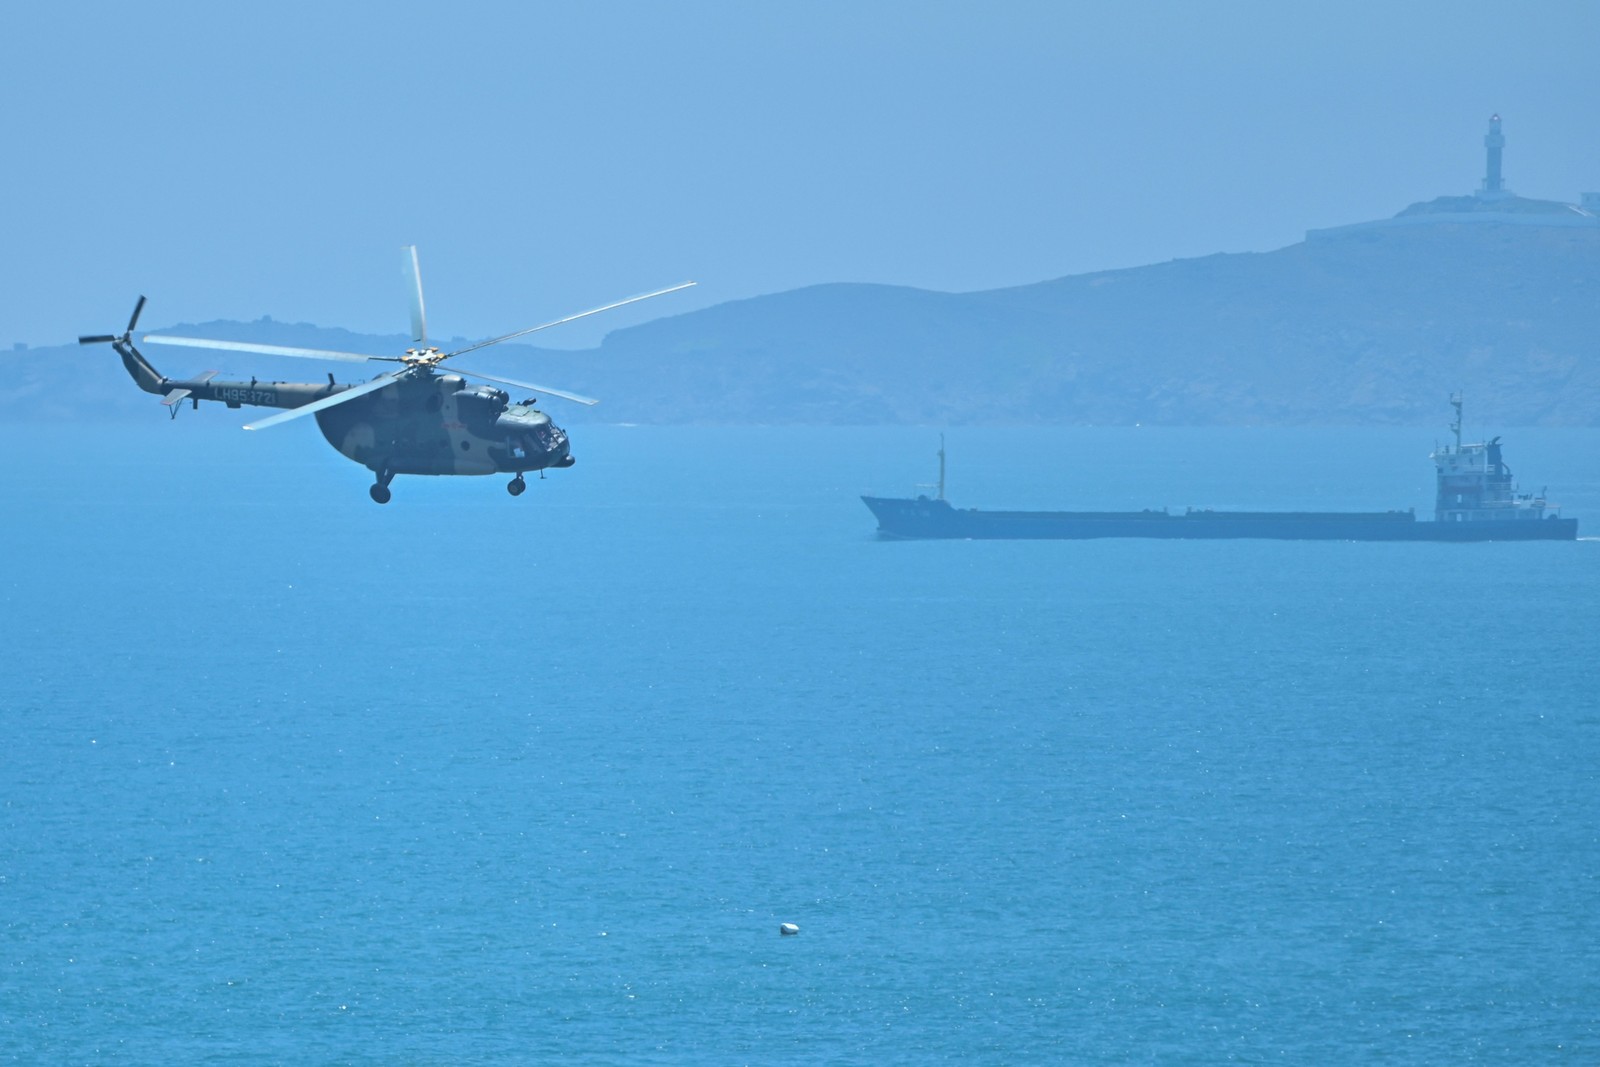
<point x="941" y="466"/>
<point x="1455" y="427"/>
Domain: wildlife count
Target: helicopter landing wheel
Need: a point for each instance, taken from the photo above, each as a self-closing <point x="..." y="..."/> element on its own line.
<point x="516" y="486"/>
<point x="380" y="488"/>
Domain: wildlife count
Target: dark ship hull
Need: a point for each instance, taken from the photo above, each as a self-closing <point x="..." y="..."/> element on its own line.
<point x="924" y="518"/>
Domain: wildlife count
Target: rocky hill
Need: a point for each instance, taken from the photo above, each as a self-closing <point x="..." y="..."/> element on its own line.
<point x="1356" y="327"/>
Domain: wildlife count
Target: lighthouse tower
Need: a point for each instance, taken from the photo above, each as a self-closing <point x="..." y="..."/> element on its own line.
<point x="1494" y="186"/>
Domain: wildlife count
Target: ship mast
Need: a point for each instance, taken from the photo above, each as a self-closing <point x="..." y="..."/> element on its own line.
<point x="1455" y="427"/>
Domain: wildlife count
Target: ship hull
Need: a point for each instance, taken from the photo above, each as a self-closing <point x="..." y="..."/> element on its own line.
<point x="924" y="519"/>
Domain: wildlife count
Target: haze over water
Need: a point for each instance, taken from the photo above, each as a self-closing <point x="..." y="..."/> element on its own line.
<point x="290" y="777"/>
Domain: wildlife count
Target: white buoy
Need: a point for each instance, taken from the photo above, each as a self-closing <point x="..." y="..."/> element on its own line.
<point x="788" y="929"/>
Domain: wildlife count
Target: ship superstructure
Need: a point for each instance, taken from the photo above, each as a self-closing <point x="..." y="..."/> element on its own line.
<point x="1475" y="485"/>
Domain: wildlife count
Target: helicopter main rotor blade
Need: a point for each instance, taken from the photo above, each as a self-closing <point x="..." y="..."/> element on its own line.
<point x="383" y="380"/>
<point x="591" y="401"/>
<point x="413" y="276"/>
<point x="569" y="318"/>
<point x="266" y="350"/>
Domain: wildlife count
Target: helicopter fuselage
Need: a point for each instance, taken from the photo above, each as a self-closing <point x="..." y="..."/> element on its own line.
<point x="423" y="423"/>
<point x="439" y="424"/>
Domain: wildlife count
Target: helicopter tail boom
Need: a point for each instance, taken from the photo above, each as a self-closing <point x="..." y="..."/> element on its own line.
<point x="139" y="368"/>
<point x="234" y="394"/>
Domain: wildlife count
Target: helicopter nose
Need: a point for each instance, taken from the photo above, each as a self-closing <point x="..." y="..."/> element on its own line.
<point x="558" y="444"/>
<point x="560" y="448"/>
<point x="550" y="442"/>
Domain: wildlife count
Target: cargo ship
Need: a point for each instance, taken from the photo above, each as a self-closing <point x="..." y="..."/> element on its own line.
<point x="1477" y="500"/>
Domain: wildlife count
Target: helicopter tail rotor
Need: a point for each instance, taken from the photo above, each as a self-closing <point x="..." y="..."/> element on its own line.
<point x="111" y="338"/>
<point x="148" y="378"/>
<point x="133" y="320"/>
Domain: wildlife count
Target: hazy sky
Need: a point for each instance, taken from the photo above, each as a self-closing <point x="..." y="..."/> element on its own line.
<point x="234" y="160"/>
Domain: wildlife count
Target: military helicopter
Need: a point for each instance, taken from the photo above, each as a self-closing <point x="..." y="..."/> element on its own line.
<point x="415" y="419"/>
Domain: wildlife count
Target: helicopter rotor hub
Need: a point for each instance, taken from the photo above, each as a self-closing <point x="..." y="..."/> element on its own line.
<point x="423" y="357"/>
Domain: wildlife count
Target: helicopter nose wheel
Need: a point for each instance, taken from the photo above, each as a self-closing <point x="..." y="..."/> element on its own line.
<point x="516" y="486"/>
<point x="379" y="490"/>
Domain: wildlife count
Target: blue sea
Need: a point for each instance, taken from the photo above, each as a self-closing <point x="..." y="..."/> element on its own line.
<point x="289" y="777"/>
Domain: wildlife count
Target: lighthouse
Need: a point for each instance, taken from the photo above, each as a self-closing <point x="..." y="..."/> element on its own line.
<point x="1494" y="186"/>
<point x="1491" y="203"/>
